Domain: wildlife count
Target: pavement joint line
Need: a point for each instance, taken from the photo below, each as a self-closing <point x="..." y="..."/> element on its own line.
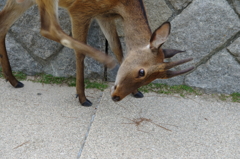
<point x="89" y="127"/>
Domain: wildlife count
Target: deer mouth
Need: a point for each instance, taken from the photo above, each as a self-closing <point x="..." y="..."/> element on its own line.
<point x="116" y="98"/>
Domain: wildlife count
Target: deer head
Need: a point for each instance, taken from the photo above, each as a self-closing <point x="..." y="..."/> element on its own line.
<point x="144" y="65"/>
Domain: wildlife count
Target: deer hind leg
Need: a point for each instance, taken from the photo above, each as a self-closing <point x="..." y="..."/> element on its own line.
<point x="10" y="13"/>
<point x="51" y="29"/>
<point x="108" y="27"/>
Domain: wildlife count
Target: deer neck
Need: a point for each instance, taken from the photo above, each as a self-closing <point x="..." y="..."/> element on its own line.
<point x="136" y="28"/>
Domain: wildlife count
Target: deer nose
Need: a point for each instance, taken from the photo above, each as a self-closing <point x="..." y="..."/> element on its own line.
<point x="116" y="98"/>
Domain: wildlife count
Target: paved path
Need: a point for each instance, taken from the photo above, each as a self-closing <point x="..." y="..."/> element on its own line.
<point x="47" y="122"/>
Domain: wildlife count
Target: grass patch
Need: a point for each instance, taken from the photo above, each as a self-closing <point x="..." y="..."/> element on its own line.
<point x="182" y="90"/>
<point x="235" y="97"/>
<point x="19" y="75"/>
<point x="70" y="81"/>
<point x="165" y="89"/>
<point x="223" y="97"/>
<point x="98" y="85"/>
<point x="49" y="79"/>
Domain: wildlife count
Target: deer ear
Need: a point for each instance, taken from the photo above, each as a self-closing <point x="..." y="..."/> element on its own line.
<point x="160" y="35"/>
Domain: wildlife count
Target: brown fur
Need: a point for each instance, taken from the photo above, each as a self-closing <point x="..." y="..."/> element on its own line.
<point x="136" y="29"/>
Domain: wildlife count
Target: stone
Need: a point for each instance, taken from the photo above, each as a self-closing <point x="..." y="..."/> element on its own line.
<point x="2" y="3"/>
<point x="63" y="65"/>
<point x="179" y="80"/>
<point x="119" y="24"/>
<point x="180" y="4"/>
<point x="26" y="30"/>
<point x="19" y="58"/>
<point x="203" y="33"/>
<point x="96" y="39"/>
<point x="236" y="5"/>
<point x="54" y="58"/>
<point x="157" y="12"/>
<point x="234" y="49"/>
<point x="201" y="28"/>
<point x="219" y="74"/>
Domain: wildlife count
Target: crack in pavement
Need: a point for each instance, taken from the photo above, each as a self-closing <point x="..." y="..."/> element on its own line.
<point x="89" y="127"/>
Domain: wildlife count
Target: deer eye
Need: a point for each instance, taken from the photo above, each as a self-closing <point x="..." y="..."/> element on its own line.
<point x="141" y="73"/>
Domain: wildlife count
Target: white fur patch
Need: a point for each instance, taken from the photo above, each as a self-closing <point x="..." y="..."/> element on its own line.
<point x="146" y="47"/>
<point x="66" y="43"/>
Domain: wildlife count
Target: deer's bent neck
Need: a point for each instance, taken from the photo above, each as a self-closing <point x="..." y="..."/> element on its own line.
<point x="136" y="27"/>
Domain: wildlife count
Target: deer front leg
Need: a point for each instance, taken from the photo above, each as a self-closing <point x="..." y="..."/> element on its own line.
<point x="7" y="71"/>
<point x="108" y="28"/>
<point x="11" y="12"/>
<point x="79" y="31"/>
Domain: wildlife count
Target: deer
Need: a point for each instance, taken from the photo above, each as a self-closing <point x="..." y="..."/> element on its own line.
<point x="144" y="60"/>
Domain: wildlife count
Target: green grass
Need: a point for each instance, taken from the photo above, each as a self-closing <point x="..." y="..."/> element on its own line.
<point x="182" y="90"/>
<point x="92" y="84"/>
<point x="165" y="89"/>
<point x="70" y="81"/>
<point x="50" y="79"/>
<point x="235" y="97"/>
<point x="18" y="75"/>
<point x="223" y="97"/>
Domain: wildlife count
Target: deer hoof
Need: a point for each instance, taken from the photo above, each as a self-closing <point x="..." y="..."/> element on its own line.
<point x="138" y="95"/>
<point x="19" y="85"/>
<point x="87" y="103"/>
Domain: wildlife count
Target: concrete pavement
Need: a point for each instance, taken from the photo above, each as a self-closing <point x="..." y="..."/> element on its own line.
<point x="46" y="121"/>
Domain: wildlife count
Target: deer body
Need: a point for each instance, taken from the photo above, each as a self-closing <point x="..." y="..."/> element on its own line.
<point x="144" y="55"/>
